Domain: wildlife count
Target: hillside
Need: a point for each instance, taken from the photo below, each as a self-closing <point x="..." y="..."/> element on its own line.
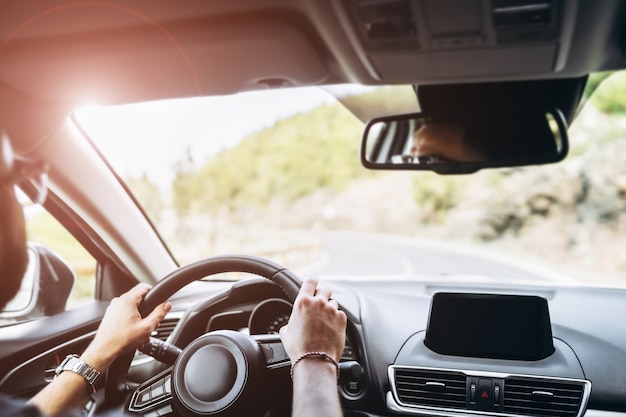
<point x="569" y="215"/>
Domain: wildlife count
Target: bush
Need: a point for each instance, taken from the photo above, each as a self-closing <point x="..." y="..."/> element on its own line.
<point x="610" y="96"/>
<point x="436" y="195"/>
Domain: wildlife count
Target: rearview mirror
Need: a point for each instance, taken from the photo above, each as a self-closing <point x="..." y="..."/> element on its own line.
<point x="462" y="143"/>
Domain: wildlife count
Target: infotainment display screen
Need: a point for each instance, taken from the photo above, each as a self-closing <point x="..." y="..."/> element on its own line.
<point x="490" y="326"/>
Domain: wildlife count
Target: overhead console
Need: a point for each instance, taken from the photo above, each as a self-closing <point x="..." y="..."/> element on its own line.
<point x="487" y="354"/>
<point x="399" y="39"/>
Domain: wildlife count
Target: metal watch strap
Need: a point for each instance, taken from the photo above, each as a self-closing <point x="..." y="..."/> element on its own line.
<point x="75" y="364"/>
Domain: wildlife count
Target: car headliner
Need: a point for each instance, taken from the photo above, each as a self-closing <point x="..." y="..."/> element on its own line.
<point x="73" y="52"/>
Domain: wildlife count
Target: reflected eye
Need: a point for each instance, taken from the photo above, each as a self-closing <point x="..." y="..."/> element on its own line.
<point x="422" y="159"/>
<point x="429" y="159"/>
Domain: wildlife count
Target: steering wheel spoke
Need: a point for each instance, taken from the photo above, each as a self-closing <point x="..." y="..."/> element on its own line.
<point x="273" y="350"/>
<point x="153" y="397"/>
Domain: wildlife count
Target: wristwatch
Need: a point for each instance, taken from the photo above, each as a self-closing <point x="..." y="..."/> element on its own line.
<point x="75" y="364"/>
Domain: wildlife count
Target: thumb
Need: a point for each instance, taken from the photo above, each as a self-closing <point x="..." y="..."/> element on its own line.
<point x="158" y="314"/>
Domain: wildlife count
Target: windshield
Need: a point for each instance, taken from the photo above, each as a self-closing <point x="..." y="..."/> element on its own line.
<point x="277" y="174"/>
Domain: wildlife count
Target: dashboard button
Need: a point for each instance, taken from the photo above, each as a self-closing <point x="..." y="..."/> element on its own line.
<point x="485" y="394"/>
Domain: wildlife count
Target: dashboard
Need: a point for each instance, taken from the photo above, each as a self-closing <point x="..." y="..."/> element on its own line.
<point x="387" y="330"/>
<point x="401" y="373"/>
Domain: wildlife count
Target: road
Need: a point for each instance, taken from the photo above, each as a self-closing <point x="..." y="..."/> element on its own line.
<point x="362" y="255"/>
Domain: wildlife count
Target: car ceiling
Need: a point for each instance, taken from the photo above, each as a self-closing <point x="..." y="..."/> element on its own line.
<point x="61" y="54"/>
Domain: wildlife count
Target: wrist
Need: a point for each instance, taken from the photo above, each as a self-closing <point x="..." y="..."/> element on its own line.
<point x="97" y="358"/>
<point x="316" y="360"/>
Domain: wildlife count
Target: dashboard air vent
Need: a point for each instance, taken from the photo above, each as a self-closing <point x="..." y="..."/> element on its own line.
<point x="537" y="397"/>
<point x="165" y="329"/>
<point x="431" y="388"/>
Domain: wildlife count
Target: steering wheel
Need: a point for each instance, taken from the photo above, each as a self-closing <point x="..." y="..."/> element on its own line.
<point x="220" y="373"/>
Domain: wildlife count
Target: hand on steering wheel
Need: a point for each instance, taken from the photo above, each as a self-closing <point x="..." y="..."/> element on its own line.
<point x="220" y="372"/>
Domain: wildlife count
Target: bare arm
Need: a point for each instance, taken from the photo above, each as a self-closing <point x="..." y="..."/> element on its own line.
<point x="122" y="330"/>
<point x="315" y="325"/>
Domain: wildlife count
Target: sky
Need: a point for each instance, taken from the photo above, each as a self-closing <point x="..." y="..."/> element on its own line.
<point x="161" y="132"/>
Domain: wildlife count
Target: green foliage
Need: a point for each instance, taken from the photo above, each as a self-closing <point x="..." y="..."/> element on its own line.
<point x="47" y="231"/>
<point x="594" y="81"/>
<point x="291" y="159"/>
<point x="437" y="194"/>
<point x="610" y="96"/>
<point x="148" y="194"/>
<point x="184" y="186"/>
<point x="44" y="229"/>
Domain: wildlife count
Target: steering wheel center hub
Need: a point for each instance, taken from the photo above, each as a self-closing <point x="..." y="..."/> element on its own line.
<point x="214" y="371"/>
<point x="223" y="368"/>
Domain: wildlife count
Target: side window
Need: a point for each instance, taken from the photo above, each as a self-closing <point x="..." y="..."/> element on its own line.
<point x="44" y="230"/>
<point x="60" y="274"/>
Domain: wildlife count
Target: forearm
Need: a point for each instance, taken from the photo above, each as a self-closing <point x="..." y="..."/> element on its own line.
<point x="315" y="389"/>
<point x="69" y="391"/>
<point x="122" y="330"/>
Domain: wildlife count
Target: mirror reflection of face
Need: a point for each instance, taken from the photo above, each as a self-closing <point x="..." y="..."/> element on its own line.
<point x="445" y="142"/>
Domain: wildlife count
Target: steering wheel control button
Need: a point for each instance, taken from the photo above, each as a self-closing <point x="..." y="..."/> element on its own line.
<point x="167" y="384"/>
<point x="157" y="390"/>
<point x="274" y="353"/>
<point x="143" y="398"/>
<point x="152" y="394"/>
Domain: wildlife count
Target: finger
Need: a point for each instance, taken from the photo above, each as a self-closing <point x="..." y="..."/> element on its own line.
<point x="282" y="331"/>
<point x="333" y="303"/>
<point x="308" y="287"/>
<point x="158" y="314"/>
<point x="323" y="292"/>
<point x="342" y="316"/>
<point x="138" y="292"/>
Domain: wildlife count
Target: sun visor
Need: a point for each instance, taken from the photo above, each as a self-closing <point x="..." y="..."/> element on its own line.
<point x="145" y="60"/>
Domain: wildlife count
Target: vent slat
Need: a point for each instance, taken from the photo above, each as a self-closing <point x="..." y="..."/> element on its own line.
<point x="410" y="391"/>
<point x="412" y="388"/>
<point x="519" y="399"/>
<point x="556" y="398"/>
<point x="165" y="328"/>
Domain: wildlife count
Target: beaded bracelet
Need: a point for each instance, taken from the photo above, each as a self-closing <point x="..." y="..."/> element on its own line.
<point x="321" y="355"/>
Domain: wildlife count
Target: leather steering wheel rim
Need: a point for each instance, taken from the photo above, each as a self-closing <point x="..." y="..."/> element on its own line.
<point x="116" y="387"/>
<point x="165" y="288"/>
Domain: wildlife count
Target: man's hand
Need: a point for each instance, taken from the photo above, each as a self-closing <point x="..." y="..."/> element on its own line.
<point x="315" y="325"/>
<point x="122" y="329"/>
